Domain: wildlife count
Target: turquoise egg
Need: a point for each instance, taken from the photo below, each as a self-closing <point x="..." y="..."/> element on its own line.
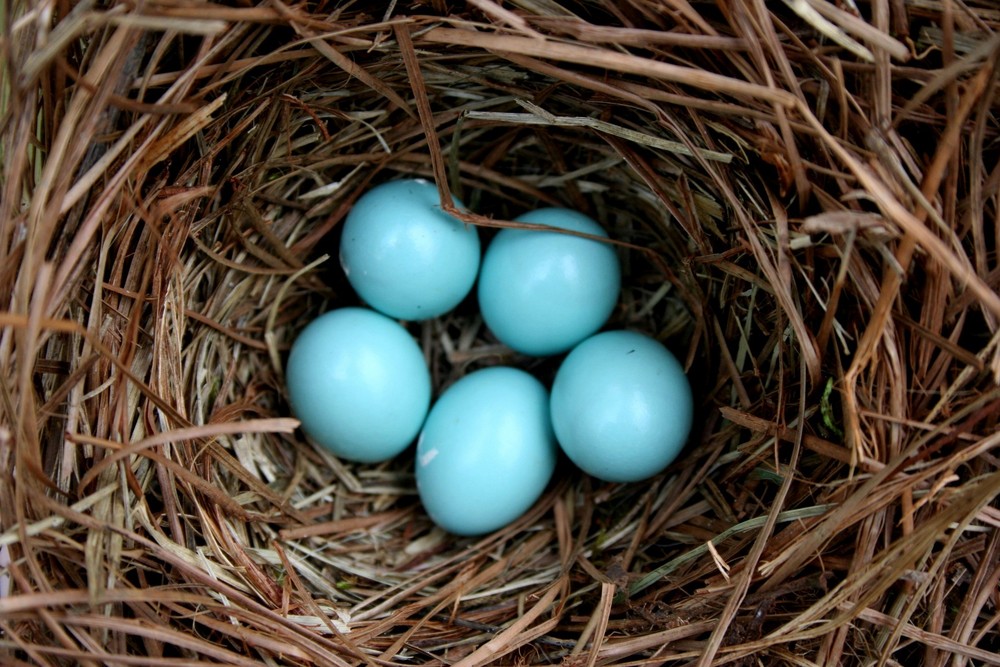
<point x="540" y="292"/>
<point x="359" y="384"/>
<point x="404" y="255"/>
<point x="487" y="451"/>
<point x="621" y="406"/>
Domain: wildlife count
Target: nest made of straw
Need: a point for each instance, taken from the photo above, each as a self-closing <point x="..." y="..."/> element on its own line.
<point x="805" y="197"/>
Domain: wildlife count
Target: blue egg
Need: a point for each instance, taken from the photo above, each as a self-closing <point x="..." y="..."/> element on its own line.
<point x="404" y="255"/>
<point x="486" y="452"/>
<point x="540" y="292"/>
<point x="359" y="384"/>
<point x="621" y="406"/>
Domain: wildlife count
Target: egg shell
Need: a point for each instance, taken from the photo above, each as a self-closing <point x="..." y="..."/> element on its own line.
<point x="404" y="255"/>
<point x="540" y="292"/>
<point x="359" y="384"/>
<point x="487" y="451"/>
<point x="622" y="407"/>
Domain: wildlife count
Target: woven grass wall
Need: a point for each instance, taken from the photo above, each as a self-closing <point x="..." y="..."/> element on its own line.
<point x="804" y="196"/>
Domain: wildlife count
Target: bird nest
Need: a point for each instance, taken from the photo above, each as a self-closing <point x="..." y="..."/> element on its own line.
<point x="804" y="197"/>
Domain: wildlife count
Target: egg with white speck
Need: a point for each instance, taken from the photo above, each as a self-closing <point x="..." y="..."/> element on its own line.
<point x="486" y="452"/>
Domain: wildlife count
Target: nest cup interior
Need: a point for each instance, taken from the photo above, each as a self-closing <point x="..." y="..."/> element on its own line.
<point x="808" y="223"/>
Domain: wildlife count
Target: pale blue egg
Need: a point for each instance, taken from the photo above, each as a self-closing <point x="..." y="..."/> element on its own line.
<point x="359" y="384"/>
<point x="404" y="255"/>
<point x="621" y="406"/>
<point x="486" y="452"/>
<point x="540" y="292"/>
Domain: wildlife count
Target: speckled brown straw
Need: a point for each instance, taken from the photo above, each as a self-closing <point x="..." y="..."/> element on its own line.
<point x="804" y="196"/>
